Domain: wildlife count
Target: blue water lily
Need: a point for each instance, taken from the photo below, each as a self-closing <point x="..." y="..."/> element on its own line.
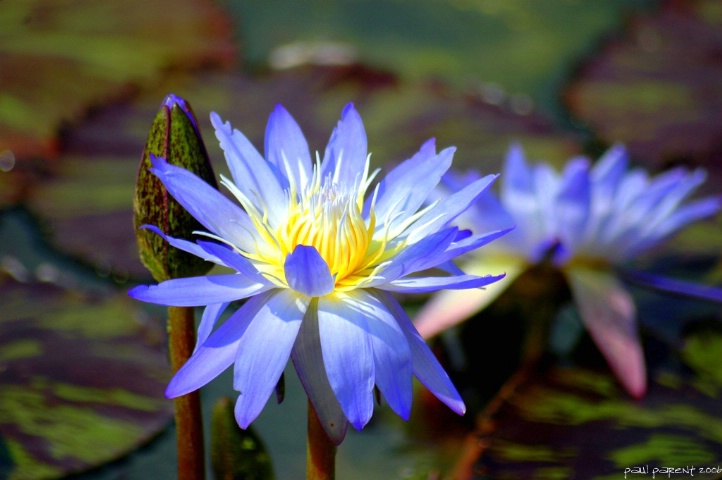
<point x="317" y="258"/>
<point x="588" y="221"/>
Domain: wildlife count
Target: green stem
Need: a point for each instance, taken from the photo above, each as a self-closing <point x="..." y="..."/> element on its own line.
<point x="320" y="450"/>
<point x="188" y="420"/>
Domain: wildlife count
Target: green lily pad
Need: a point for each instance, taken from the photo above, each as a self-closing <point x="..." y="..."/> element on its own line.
<point x="60" y="59"/>
<point x="656" y="88"/>
<point x="512" y="51"/>
<point x="82" y="380"/>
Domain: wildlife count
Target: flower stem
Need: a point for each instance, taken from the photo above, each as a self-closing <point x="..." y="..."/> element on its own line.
<point x="188" y="420"/>
<point x="320" y="450"/>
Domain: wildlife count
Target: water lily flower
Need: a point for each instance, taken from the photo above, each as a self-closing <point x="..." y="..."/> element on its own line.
<point x="317" y="258"/>
<point x="587" y="221"/>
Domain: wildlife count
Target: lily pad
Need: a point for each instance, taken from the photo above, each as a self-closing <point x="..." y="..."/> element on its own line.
<point x="60" y="58"/>
<point x="656" y="88"/>
<point x="82" y="380"/>
<point x="576" y="421"/>
<point x="512" y="51"/>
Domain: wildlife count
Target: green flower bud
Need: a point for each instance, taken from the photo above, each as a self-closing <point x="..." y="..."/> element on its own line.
<point x="236" y="454"/>
<point x="174" y="136"/>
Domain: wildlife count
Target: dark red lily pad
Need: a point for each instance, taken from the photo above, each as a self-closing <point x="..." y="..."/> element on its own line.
<point x="657" y="87"/>
<point x="82" y="380"/>
<point x="577" y="422"/>
<point x="60" y="59"/>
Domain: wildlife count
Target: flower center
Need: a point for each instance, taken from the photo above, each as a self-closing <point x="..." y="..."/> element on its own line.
<point x="329" y="219"/>
<point x="328" y="216"/>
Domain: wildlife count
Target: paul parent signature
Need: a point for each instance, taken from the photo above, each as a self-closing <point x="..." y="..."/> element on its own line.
<point x="669" y="471"/>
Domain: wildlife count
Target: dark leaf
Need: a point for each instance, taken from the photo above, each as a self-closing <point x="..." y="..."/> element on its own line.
<point x="82" y="380"/>
<point x="657" y="87"/>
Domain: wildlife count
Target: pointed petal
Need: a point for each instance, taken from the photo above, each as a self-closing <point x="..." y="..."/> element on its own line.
<point x="609" y="170"/>
<point x="517" y="183"/>
<point x="417" y="256"/>
<point x="486" y="214"/>
<point x="286" y="147"/>
<point x="252" y="174"/>
<point x="218" y="352"/>
<point x="347" y="355"/>
<point x="264" y="350"/>
<point x="184" y="245"/>
<point x="308" y="361"/>
<point x="689" y="213"/>
<point x="425" y="365"/>
<point x="432" y="284"/>
<point x="469" y="244"/>
<point x="307" y="272"/>
<point x="346" y="152"/>
<point x="232" y="259"/>
<point x="608" y="312"/>
<point x="444" y="212"/>
<point x="401" y="194"/>
<point x="206" y="204"/>
<point x="449" y="307"/>
<point x="676" y="287"/>
<point x="572" y="205"/>
<point x="210" y="316"/>
<point x="392" y="355"/>
<point x="395" y="177"/>
<point x="197" y="291"/>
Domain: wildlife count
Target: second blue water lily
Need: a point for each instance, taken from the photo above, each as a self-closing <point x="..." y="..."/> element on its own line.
<point x="317" y="252"/>
<point x="587" y="221"/>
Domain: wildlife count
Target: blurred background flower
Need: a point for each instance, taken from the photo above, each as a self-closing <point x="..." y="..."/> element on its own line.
<point x="587" y="221"/>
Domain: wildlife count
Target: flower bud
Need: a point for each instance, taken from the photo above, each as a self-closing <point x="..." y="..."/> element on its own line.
<point x="174" y="136"/>
<point x="236" y="453"/>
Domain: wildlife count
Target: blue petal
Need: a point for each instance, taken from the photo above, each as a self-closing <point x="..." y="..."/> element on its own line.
<point x="218" y="352"/>
<point x="254" y="176"/>
<point x="184" y="245"/>
<point x="405" y="188"/>
<point x="517" y="183"/>
<point x="197" y="291"/>
<point x="264" y="350"/>
<point x="704" y="208"/>
<point x="425" y="365"/>
<point x="527" y="195"/>
<point x="233" y="259"/>
<point x="347" y="355"/>
<point x="345" y="156"/>
<point x="392" y="356"/>
<point x="206" y="204"/>
<point x="307" y="272"/>
<point x="432" y="284"/>
<point x="609" y="171"/>
<point x="210" y="316"/>
<point x="417" y="256"/>
<point x="444" y="212"/>
<point x="572" y="204"/>
<point x="395" y="177"/>
<point x="308" y="361"/>
<point x="467" y="245"/>
<point x="668" y="285"/>
<point x="286" y="147"/>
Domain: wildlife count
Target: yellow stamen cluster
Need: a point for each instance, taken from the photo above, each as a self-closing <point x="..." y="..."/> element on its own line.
<point x="329" y="220"/>
<point x="327" y="216"/>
